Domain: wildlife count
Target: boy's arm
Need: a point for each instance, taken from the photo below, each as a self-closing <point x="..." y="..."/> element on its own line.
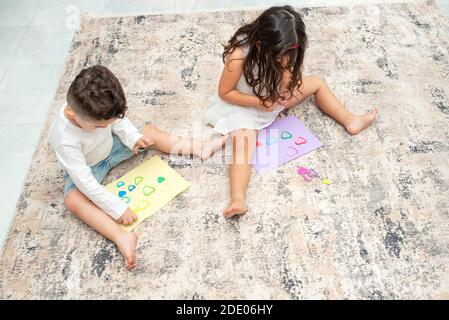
<point x="126" y="132"/>
<point x="74" y="163"/>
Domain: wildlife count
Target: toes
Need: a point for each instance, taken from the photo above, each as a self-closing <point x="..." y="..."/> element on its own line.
<point x="234" y="210"/>
<point x="352" y="131"/>
<point x="130" y="265"/>
<point x="130" y="261"/>
<point x="229" y="212"/>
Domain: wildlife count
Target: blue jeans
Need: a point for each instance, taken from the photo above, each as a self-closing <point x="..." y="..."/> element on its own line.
<point x="119" y="153"/>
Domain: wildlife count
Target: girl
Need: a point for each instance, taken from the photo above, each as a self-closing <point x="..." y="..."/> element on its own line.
<point x="261" y="77"/>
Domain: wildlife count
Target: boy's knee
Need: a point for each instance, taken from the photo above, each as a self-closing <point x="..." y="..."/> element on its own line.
<point x="69" y="201"/>
<point x="148" y="129"/>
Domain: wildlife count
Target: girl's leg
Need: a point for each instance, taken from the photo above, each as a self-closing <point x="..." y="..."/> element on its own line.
<point x="330" y="105"/>
<point x="243" y="146"/>
<point x="88" y="212"/>
<point x="185" y="146"/>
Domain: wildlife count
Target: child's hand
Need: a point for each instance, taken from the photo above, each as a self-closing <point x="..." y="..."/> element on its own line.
<point x="142" y="143"/>
<point x="127" y="218"/>
<point x="268" y="105"/>
<point x="283" y="102"/>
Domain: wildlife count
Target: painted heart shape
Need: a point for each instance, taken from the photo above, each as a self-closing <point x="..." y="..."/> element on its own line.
<point x="126" y="199"/>
<point x="292" y="151"/>
<point x="143" y="204"/>
<point x="131" y="187"/>
<point x="286" y="135"/>
<point x="271" y="140"/>
<point x="258" y="143"/>
<point x="137" y="180"/>
<point x="120" y="184"/>
<point x="121" y="193"/>
<point x="147" y="190"/>
<point x="160" y="179"/>
<point x="300" y="140"/>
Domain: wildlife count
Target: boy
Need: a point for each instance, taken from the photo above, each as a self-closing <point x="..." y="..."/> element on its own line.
<point x="90" y="136"/>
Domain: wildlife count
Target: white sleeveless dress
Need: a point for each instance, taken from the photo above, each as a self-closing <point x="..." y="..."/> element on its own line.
<point x="226" y="117"/>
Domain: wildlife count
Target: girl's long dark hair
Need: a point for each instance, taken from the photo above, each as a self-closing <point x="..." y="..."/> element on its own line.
<point x="278" y="33"/>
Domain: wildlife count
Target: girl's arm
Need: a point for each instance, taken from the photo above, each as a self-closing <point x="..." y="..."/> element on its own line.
<point x="230" y="76"/>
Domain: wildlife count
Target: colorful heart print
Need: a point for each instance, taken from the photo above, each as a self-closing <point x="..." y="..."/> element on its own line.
<point x="147" y="190"/>
<point x="121" y="193"/>
<point x="300" y="140"/>
<point x="137" y="180"/>
<point x="286" y="135"/>
<point x="271" y="140"/>
<point x="291" y="151"/>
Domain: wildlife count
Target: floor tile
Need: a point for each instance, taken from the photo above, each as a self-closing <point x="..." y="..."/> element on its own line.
<point x="26" y="74"/>
<point x="20" y="106"/>
<point x="45" y="44"/>
<point x="60" y="12"/>
<point x="10" y="38"/>
<point x="17" y="13"/>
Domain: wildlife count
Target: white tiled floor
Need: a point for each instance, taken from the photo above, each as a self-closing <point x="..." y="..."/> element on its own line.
<point x="16" y="13"/>
<point x="35" y="36"/>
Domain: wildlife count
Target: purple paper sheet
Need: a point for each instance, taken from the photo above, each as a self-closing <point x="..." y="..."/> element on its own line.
<point x="282" y="141"/>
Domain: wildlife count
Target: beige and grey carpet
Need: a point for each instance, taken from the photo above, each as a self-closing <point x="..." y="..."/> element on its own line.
<point x="379" y="231"/>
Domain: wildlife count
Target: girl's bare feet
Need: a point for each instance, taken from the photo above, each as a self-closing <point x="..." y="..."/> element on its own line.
<point x="360" y="122"/>
<point x="237" y="206"/>
<point x="205" y="149"/>
<point x="126" y="243"/>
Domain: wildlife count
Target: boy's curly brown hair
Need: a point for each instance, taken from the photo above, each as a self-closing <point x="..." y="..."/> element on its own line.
<point x="97" y="94"/>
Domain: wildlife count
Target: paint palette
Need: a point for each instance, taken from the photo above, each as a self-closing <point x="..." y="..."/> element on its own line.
<point x="282" y="141"/>
<point x="147" y="188"/>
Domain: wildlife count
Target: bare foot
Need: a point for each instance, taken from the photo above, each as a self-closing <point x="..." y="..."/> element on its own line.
<point x="207" y="148"/>
<point x="126" y="243"/>
<point x="235" y="207"/>
<point x="360" y="122"/>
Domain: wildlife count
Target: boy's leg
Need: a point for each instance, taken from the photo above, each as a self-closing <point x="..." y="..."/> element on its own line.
<point x="185" y="146"/>
<point x="243" y="146"/>
<point x="330" y="105"/>
<point x="88" y="212"/>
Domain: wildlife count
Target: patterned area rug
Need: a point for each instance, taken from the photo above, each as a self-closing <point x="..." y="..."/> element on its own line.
<point x="379" y="231"/>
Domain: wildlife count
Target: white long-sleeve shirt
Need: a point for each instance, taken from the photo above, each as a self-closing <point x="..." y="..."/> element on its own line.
<point x="77" y="150"/>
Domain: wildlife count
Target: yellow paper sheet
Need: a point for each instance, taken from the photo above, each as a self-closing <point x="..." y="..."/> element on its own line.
<point x="147" y="188"/>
